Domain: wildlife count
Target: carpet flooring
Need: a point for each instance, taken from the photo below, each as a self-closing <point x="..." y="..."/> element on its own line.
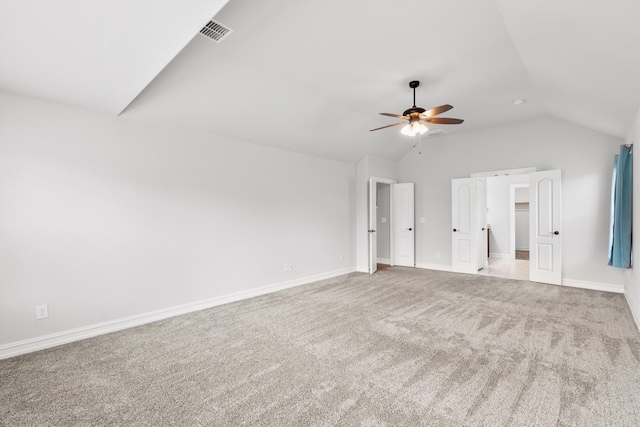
<point x="404" y="347"/>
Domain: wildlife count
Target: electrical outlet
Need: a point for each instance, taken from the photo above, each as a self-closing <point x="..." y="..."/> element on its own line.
<point x="341" y="258"/>
<point x="290" y="267"/>
<point x="42" y="312"/>
<point x="286" y="267"/>
<point x="438" y="254"/>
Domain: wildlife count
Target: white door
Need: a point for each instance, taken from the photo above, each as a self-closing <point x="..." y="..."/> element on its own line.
<point x="481" y="186"/>
<point x="403" y="224"/>
<point x="465" y="225"/>
<point x="373" y="218"/>
<point x="545" y="227"/>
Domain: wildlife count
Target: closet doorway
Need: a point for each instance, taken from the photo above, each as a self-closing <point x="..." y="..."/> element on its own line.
<point x="383" y="229"/>
<point x="508" y="223"/>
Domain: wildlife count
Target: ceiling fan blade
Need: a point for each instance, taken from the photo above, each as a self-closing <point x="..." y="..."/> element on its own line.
<point x="444" y="121"/>
<point x="397" y="116"/>
<point x="388" y="126"/>
<point x="437" y="110"/>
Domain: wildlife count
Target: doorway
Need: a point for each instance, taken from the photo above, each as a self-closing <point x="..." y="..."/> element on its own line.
<point x="400" y="222"/>
<point x="383" y="228"/>
<point x="545" y="224"/>
<point x="508" y="224"/>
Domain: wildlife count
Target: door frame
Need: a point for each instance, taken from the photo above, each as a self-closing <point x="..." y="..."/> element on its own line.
<point x="373" y="219"/>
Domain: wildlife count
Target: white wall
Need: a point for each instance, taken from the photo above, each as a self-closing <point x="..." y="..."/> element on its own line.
<point x="632" y="276"/>
<point x="383" y="231"/>
<point x="102" y="218"/>
<point x="585" y="158"/>
<point x="521" y="197"/>
<point x="522" y="227"/>
<point x="499" y="212"/>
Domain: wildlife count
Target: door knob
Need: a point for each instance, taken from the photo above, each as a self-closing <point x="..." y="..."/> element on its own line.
<point x="482" y="229"/>
<point x="409" y="229"/>
<point x="556" y="232"/>
<point x="454" y="230"/>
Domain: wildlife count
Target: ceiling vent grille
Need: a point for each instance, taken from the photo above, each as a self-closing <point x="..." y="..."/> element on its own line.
<point x="216" y="31"/>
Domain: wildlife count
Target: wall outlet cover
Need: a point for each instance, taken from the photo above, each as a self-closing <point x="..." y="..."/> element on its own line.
<point x="42" y="312"/>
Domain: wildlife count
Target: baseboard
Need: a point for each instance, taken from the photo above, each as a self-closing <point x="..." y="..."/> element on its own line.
<point x="383" y="261"/>
<point x="64" y="337"/>
<point x="607" y="287"/>
<point x="440" y="267"/>
<point x="500" y="256"/>
<point x="635" y="312"/>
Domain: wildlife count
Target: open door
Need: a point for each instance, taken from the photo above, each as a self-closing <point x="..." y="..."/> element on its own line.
<point x="468" y="221"/>
<point x="483" y="236"/>
<point x="373" y="220"/>
<point x="403" y="224"/>
<point x="545" y="226"/>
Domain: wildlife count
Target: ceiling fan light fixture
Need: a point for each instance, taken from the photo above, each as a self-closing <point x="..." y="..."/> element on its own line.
<point x="407" y="130"/>
<point x="413" y="129"/>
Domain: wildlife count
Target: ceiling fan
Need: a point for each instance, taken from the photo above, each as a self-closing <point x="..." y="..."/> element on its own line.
<point x="418" y="117"/>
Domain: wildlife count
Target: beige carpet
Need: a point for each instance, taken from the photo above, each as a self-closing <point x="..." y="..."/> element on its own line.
<point x="406" y="347"/>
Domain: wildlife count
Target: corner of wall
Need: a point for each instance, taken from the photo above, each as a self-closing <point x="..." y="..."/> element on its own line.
<point x="632" y="279"/>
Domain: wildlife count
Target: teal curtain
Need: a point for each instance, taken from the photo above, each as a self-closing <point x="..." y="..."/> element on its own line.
<point x="621" y="209"/>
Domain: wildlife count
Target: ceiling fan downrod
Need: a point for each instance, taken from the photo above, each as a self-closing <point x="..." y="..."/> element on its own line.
<point x="413" y="85"/>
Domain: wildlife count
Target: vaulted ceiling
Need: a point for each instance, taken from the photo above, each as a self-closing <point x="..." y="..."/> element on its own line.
<point x="311" y="76"/>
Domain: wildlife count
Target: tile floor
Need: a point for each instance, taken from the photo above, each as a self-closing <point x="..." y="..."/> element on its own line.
<point x="509" y="268"/>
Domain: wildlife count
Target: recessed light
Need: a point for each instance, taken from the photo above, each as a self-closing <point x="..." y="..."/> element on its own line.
<point x="518" y="101"/>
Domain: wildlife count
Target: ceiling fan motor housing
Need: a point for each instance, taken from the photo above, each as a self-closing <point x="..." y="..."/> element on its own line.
<point x="417" y="110"/>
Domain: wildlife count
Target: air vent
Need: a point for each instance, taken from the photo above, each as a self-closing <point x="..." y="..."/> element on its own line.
<point x="434" y="133"/>
<point x="216" y="31"/>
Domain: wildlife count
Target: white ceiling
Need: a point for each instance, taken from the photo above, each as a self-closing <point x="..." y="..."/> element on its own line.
<point x="311" y="76"/>
<point x="95" y="54"/>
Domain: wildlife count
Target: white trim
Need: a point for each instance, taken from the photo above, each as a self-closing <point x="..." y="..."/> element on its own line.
<point x="383" y="261"/>
<point x="519" y="171"/>
<point x="439" y="267"/>
<point x="606" y="287"/>
<point x="634" y="311"/>
<point x="64" y="337"/>
<point x="501" y="256"/>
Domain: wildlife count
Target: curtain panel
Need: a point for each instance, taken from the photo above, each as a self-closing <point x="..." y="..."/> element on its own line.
<point x="621" y="209"/>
